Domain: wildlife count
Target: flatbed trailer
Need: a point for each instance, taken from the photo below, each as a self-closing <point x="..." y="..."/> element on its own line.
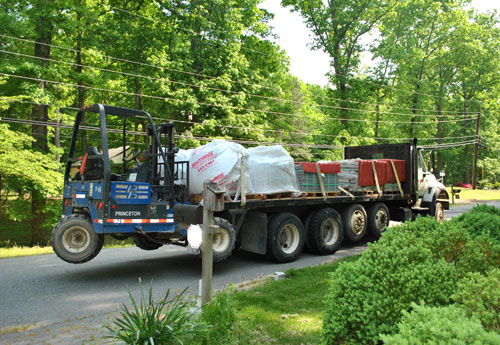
<point x="279" y="226"/>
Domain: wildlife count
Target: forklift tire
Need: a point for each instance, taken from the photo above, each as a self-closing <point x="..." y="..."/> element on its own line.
<point x="74" y="240"/>
<point x="354" y="219"/>
<point x="145" y="243"/>
<point x="285" y="237"/>
<point x="324" y="232"/>
<point x="224" y="240"/>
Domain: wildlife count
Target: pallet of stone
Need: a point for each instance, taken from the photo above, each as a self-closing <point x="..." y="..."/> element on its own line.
<point x="307" y="176"/>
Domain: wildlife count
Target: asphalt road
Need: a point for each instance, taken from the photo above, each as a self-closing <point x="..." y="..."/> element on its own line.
<point x="43" y="289"/>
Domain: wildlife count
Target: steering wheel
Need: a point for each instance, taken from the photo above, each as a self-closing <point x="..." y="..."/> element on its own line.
<point x="134" y="156"/>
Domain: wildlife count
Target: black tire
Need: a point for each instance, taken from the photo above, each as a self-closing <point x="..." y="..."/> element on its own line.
<point x="354" y="221"/>
<point x="285" y="237"/>
<point x="145" y="243"/>
<point x="378" y="219"/>
<point x="224" y="240"/>
<point x="74" y="240"/>
<point x="325" y="232"/>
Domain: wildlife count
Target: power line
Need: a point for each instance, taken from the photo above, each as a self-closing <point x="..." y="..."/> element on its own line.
<point x="226" y="106"/>
<point x="272" y="130"/>
<point x="221" y="90"/>
<point x="211" y="77"/>
<point x="218" y="89"/>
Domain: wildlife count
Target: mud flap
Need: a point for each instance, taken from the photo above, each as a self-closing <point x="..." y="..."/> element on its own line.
<point x="253" y="233"/>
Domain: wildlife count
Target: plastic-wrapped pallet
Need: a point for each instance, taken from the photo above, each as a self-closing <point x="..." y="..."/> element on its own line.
<point x="271" y="170"/>
<point x="218" y="161"/>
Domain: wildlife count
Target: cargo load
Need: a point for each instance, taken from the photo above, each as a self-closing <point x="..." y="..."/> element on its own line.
<point x="271" y="170"/>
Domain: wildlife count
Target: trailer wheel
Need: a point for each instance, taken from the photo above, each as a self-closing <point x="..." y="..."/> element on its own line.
<point x="378" y="219"/>
<point x="355" y="221"/>
<point x="325" y="233"/>
<point x="74" y="240"/>
<point x="224" y="240"/>
<point x="285" y="237"/>
<point x="145" y="243"/>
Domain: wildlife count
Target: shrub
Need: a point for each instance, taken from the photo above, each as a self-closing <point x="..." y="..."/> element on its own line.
<point x="440" y="325"/>
<point x="479" y="295"/>
<point x="481" y="221"/>
<point x="168" y="321"/>
<point x="221" y="315"/>
<point x="418" y="261"/>
<point x="483" y="208"/>
<point x="367" y="296"/>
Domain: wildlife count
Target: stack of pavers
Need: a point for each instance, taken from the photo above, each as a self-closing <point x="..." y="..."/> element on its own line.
<point x="307" y="176"/>
<point x="352" y="175"/>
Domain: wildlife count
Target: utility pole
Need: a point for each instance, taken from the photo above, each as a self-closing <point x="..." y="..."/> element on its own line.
<point x="476" y="147"/>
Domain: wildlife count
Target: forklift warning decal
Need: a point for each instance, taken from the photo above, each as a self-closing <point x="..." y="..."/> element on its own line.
<point x="135" y="221"/>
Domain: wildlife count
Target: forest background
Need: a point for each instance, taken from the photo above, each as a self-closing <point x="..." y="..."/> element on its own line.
<point x="212" y="68"/>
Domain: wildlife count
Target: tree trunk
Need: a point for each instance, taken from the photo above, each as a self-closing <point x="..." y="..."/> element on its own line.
<point x="39" y="132"/>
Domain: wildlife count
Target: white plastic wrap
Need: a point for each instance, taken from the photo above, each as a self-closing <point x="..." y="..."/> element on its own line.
<point x="271" y="170"/>
<point x="218" y="161"/>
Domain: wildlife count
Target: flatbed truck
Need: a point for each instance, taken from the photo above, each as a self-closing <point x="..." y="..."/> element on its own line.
<point x="147" y="201"/>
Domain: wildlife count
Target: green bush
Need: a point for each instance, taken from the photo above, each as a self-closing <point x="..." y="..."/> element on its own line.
<point x="367" y="296"/>
<point x="483" y="208"/>
<point x="479" y="295"/>
<point x="221" y="315"/>
<point x="169" y="321"/>
<point x="440" y="325"/>
<point x="482" y="221"/>
<point x="421" y="261"/>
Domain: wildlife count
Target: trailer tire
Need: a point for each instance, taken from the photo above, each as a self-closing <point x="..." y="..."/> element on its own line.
<point x="224" y="240"/>
<point x="74" y="240"/>
<point x="285" y="237"/>
<point x="145" y="243"/>
<point x="354" y="219"/>
<point x="378" y="218"/>
<point x="325" y="232"/>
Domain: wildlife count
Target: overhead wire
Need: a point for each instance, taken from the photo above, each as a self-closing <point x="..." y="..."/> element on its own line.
<point x="161" y="79"/>
<point x="206" y="76"/>
<point x="176" y="100"/>
<point x="269" y="130"/>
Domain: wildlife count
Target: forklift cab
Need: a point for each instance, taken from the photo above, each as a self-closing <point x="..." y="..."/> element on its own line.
<point x="134" y="201"/>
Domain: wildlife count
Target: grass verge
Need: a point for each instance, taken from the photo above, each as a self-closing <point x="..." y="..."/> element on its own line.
<point x="472" y="195"/>
<point x="288" y="311"/>
<point x="16" y="251"/>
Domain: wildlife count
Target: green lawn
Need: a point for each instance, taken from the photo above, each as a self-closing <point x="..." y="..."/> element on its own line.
<point x="288" y="311"/>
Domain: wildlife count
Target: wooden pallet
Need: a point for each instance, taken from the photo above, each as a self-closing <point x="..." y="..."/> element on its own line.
<point x="320" y="195"/>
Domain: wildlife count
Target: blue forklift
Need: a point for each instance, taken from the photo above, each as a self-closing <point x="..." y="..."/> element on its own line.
<point x="132" y="200"/>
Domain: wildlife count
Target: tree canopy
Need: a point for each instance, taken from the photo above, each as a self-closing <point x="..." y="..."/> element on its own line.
<point x="211" y="67"/>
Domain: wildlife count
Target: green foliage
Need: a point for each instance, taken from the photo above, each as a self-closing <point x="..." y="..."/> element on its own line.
<point x="168" y="321"/>
<point x="439" y="325"/>
<point x="421" y="261"/>
<point x="479" y="295"/>
<point x="220" y="313"/>
<point x="367" y="297"/>
<point x="482" y="220"/>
